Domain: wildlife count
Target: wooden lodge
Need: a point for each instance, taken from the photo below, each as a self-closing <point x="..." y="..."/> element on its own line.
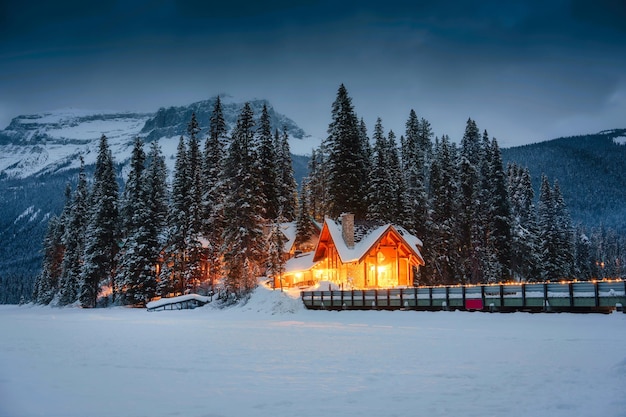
<point x="353" y="255"/>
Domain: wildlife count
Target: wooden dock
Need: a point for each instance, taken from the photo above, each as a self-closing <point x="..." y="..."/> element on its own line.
<point x="577" y="296"/>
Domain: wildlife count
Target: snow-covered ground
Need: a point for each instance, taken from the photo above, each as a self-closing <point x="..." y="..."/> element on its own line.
<point x="271" y="357"/>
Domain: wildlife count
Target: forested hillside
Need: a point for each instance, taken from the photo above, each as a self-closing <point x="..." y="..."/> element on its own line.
<point x="591" y="170"/>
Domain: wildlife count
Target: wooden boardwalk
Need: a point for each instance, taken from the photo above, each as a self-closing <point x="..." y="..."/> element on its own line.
<point x="587" y="297"/>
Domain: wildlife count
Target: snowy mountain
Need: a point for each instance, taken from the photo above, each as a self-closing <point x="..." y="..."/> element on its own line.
<point x="51" y="142"/>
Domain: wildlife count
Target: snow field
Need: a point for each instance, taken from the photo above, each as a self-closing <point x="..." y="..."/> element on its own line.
<point x="271" y="357"/>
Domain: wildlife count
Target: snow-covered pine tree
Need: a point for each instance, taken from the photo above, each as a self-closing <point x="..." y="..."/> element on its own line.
<point x="442" y="255"/>
<point x="548" y="238"/>
<point x="318" y="184"/>
<point x="196" y="186"/>
<point x="214" y="192"/>
<point x="525" y="254"/>
<point x="582" y="255"/>
<point x="498" y="215"/>
<point x="157" y="194"/>
<point x="381" y="187"/>
<point x="73" y="240"/>
<point x="135" y="278"/>
<point x="347" y="160"/>
<point x="267" y="165"/>
<point x="415" y="151"/>
<point x="195" y="221"/>
<point x="244" y="244"/>
<point x="470" y="182"/>
<point x="49" y="279"/>
<point x="564" y="233"/>
<point x="47" y="282"/>
<point x="101" y="234"/>
<point x="275" y="250"/>
<point x="366" y="145"/>
<point x="173" y="275"/>
<point x="288" y="189"/>
<point x="399" y="214"/>
<point x="304" y="222"/>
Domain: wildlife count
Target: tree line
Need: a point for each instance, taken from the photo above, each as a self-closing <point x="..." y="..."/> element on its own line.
<point x="480" y="222"/>
<point x="155" y="239"/>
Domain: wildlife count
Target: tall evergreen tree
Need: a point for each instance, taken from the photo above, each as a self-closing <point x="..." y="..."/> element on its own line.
<point x="525" y="253"/>
<point x="195" y="221"/>
<point x="101" y="236"/>
<point x="347" y="160"/>
<point x="304" y="223"/>
<point x="175" y="273"/>
<point x="47" y="282"/>
<point x="564" y="233"/>
<point x="548" y="238"/>
<point x="443" y="255"/>
<point x="498" y="214"/>
<point x="415" y="151"/>
<point x="267" y="165"/>
<point x="275" y="251"/>
<point x="381" y="195"/>
<point x="157" y="194"/>
<point x="214" y="193"/>
<point x="469" y="211"/>
<point x="244" y="246"/>
<point x="318" y="197"/>
<point x="287" y="187"/>
<point x="135" y="277"/>
<point x="73" y="240"/>
<point x="399" y="213"/>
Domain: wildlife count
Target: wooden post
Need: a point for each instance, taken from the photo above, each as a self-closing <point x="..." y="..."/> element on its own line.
<point x="501" y="295"/>
<point x="430" y="295"/>
<point x="463" y="295"/>
<point x="596" y="294"/>
<point x="523" y="294"/>
<point x="415" y="294"/>
<point x="447" y="297"/>
<point x="482" y="295"/>
<point x="388" y="297"/>
<point x="571" y="294"/>
<point x="401" y="298"/>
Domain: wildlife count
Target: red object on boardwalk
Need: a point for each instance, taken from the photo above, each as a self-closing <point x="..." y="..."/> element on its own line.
<point x="474" y="304"/>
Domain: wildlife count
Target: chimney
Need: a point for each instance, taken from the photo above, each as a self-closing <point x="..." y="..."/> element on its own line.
<point x="347" y="229"/>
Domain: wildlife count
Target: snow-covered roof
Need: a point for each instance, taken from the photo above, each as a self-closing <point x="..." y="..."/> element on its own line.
<point x="302" y="262"/>
<point x="289" y="230"/>
<point x="180" y="298"/>
<point x="368" y="238"/>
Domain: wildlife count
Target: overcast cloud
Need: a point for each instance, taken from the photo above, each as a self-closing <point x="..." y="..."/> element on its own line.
<point x="524" y="72"/>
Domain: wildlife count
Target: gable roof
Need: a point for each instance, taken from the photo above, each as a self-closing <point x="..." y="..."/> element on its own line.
<point x="331" y="230"/>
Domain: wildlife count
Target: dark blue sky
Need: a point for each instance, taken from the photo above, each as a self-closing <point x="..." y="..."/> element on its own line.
<point x="524" y="72"/>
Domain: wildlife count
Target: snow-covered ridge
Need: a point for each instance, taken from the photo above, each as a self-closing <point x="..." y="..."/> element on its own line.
<point x="52" y="141"/>
<point x="620" y="140"/>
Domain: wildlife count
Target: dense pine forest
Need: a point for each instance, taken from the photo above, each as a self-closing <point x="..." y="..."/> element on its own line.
<point x="480" y="221"/>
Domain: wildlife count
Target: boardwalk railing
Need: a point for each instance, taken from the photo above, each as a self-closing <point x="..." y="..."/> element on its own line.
<point x="588" y="296"/>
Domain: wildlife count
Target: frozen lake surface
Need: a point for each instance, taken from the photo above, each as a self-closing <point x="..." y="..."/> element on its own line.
<point x="273" y="358"/>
